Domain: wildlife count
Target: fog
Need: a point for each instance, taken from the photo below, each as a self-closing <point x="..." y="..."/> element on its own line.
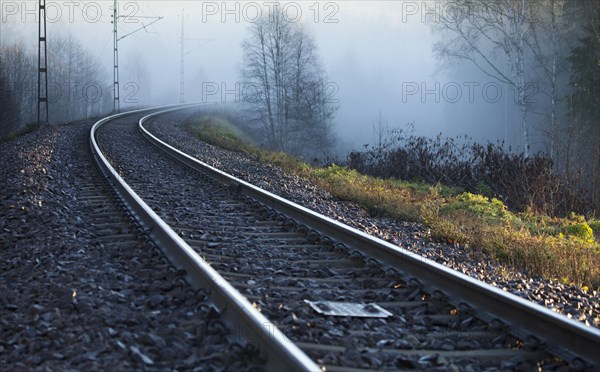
<point x="378" y="56"/>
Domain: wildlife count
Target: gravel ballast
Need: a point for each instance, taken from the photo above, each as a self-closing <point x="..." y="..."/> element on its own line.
<point x="569" y="300"/>
<point x="71" y="299"/>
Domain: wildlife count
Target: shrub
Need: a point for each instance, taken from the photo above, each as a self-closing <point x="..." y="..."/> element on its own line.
<point x="581" y="230"/>
<point x="492" y="210"/>
<point x="489" y="169"/>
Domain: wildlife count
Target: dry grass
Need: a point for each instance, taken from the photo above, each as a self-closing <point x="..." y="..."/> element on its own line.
<point x="562" y="248"/>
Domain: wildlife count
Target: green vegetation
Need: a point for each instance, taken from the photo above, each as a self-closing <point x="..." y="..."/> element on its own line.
<point x="223" y="134"/>
<point x="563" y="248"/>
<point x="219" y="133"/>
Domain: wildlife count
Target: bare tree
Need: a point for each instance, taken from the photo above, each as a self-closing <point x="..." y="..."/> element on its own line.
<point x="9" y="111"/>
<point x="284" y="86"/>
<point x="491" y="34"/>
<point x="77" y="83"/>
<point x="312" y="110"/>
<point x="18" y="71"/>
<point x="266" y="53"/>
<point x="381" y="130"/>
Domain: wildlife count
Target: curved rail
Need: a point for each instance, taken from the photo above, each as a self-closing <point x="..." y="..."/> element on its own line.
<point x="527" y="319"/>
<point x="237" y="312"/>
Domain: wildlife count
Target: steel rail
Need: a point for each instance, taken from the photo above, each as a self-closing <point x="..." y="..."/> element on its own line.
<point x="564" y="337"/>
<point x="244" y="320"/>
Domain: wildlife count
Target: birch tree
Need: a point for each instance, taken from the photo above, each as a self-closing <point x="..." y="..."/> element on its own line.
<point x="491" y="34"/>
<point x="551" y="35"/>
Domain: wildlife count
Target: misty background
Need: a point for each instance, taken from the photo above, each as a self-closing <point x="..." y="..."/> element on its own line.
<point x="378" y="57"/>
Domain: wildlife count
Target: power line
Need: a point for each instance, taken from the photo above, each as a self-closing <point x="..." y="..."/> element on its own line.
<point x="116" y="39"/>
<point x="156" y="19"/>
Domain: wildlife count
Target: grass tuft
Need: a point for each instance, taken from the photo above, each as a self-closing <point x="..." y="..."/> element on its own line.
<point x="218" y="132"/>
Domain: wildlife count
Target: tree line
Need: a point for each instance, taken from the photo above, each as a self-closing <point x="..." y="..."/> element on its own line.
<point x="77" y="85"/>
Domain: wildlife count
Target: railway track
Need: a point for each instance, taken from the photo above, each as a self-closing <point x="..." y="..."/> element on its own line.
<point x="82" y="286"/>
<point x="152" y="288"/>
<point x="230" y="235"/>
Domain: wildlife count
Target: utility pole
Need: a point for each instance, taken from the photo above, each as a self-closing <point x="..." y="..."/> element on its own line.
<point x="181" y="74"/>
<point x="116" y="101"/>
<point x="42" y="115"/>
<point x="183" y="54"/>
<point x="116" y="39"/>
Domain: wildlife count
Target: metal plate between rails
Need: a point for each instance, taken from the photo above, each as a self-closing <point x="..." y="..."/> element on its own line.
<point x="354" y="309"/>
